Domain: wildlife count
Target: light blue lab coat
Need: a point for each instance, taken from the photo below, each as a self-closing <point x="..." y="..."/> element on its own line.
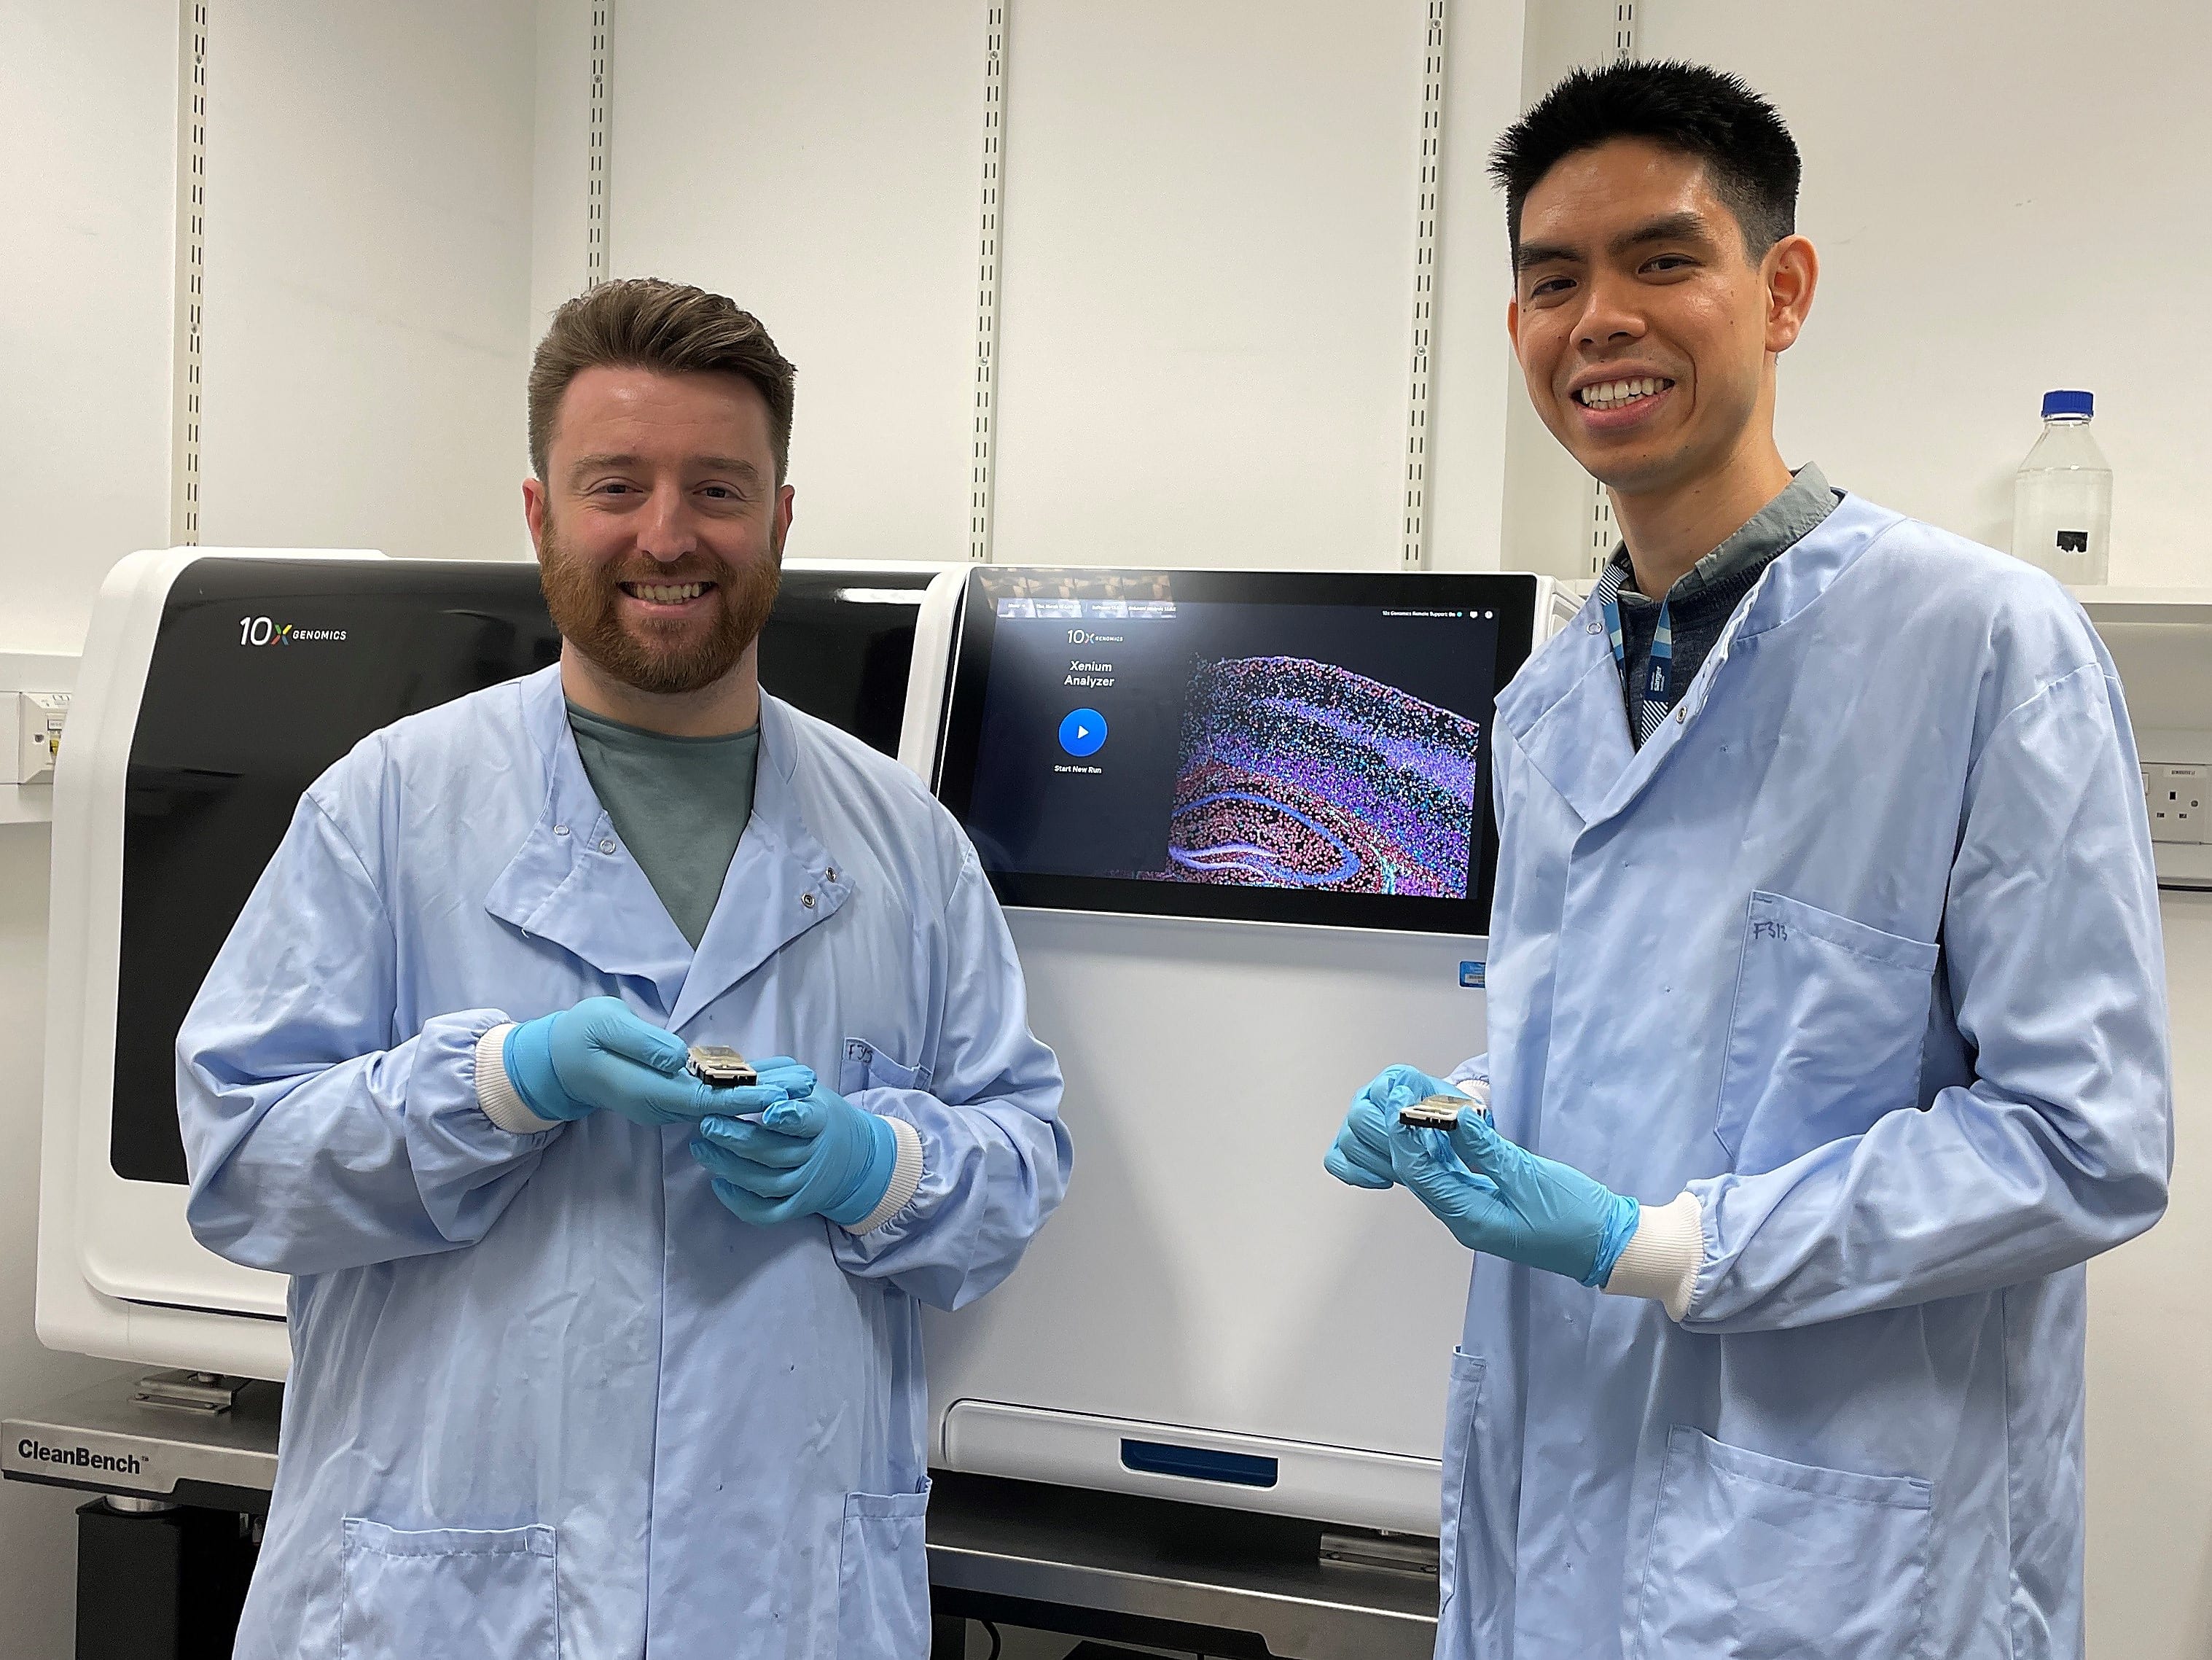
<point x="548" y="1395"/>
<point x="1862" y="949"/>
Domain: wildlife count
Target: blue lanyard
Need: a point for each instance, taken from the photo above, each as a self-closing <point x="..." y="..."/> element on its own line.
<point x="1659" y="678"/>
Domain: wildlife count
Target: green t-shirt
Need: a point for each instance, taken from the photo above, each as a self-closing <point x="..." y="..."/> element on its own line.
<point x="678" y="803"/>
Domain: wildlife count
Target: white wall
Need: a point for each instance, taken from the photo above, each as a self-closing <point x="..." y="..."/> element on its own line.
<point x="1474" y="377"/>
<point x="87" y="112"/>
<point x="88" y="124"/>
<point x="1209" y="236"/>
<point x="559" y="220"/>
<point x="368" y="293"/>
<point x="1207" y="271"/>
<point x="823" y="167"/>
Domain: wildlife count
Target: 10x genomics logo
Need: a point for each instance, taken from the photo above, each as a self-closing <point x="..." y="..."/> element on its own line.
<point x="267" y="632"/>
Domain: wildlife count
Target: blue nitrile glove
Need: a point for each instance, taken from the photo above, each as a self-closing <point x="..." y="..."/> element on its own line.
<point x="812" y="1154"/>
<point x="1504" y="1200"/>
<point x="1361" y="1152"/>
<point x="599" y="1055"/>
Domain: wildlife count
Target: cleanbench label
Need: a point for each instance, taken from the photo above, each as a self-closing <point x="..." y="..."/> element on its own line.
<point x="79" y="1458"/>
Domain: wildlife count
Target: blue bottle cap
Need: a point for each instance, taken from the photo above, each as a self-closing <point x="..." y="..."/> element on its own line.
<point x="2069" y="403"/>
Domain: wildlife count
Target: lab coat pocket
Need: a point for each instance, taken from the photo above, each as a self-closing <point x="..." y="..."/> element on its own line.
<point x="1463" y="1402"/>
<point x="1826" y="1037"/>
<point x="862" y="1066"/>
<point x="449" y="1591"/>
<point x="883" y="1576"/>
<point x="1755" y="1556"/>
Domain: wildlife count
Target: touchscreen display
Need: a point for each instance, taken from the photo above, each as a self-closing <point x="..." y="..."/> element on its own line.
<point x="1276" y="746"/>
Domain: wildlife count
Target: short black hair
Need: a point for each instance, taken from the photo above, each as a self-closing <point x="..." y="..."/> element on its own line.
<point x="1748" y="153"/>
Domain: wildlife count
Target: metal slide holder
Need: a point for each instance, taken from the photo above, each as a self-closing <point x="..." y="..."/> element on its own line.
<point x="203" y="1392"/>
<point x="1433" y="1112"/>
<point x="721" y="1066"/>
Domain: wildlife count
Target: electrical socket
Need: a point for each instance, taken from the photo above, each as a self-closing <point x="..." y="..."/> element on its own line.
<point x="39" y="717"/>
<point x="2175" y="794"/>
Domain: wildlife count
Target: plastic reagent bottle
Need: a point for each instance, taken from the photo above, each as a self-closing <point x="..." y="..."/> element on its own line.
<point x="2062" y="500"/>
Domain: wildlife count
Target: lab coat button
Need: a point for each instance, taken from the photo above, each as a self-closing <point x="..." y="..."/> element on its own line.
<point x="1681" y="715"/>
<point x="608" y="845"/>
<point x="560" y="829"/>
<point x="807" y="900"/>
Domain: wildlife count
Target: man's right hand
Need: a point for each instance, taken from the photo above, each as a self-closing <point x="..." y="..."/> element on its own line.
<point x="600" y="1057"/>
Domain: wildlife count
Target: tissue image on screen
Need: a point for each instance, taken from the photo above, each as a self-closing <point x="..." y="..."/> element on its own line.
<point x="1304" y="747"/>
<point x="1300" y="774"/>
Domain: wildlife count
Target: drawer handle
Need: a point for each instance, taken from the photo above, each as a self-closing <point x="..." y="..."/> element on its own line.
<point x="1199" y="1463"/>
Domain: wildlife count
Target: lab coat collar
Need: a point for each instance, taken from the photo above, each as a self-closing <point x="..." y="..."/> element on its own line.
<point x="1802" y="574"/>
<point x="1566" y="713"/>
<point x="572" y="883"/>
<point x="1566" y="709"/>
<point x="783" y="881"/>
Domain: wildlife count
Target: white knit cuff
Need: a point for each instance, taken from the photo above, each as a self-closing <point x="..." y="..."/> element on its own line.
<point x="496" y="1093"/>
<point x="1664" y="1255"/>
<point x="905" y="1178"/>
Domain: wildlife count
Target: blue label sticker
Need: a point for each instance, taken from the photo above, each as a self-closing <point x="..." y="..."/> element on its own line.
<point x="1471" y="975"/>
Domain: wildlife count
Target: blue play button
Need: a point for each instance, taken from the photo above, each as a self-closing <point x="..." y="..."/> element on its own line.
<point x="1083" y="733"/>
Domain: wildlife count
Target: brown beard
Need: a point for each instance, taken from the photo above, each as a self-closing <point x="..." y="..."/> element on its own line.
<point x="583" y="599"/>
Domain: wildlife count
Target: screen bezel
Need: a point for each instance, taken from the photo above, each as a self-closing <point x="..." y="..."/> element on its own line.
<point x="1512" y="597"/>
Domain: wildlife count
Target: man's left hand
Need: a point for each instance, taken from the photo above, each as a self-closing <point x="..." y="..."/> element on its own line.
<point x="1506" y="1201"/>
<point x="813" y="1154"/>
<point x="1360" y="1155"/>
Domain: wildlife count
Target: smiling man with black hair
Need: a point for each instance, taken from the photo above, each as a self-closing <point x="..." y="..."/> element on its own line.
<point x="1827" y="1020"/>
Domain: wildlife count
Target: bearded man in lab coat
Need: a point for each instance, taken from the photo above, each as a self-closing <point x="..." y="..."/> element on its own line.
<point x="591" y="1358"/>
<point x="1826" y="1021"/>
